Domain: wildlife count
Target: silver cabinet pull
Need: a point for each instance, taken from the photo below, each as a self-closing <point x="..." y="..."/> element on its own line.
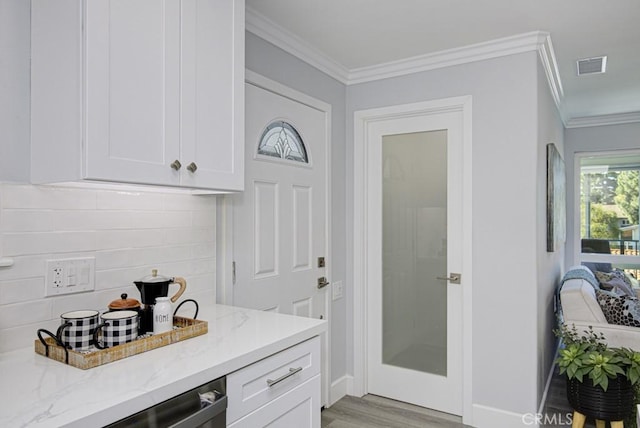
<point x="192" y="167"/>
<point x="322" y="282"/>
<point x="292" y="371"/>
<point x="176" y="165"/>
<point x="453" y="278"/>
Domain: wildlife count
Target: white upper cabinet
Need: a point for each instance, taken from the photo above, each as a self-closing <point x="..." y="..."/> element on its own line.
<point x="138" y="91"/>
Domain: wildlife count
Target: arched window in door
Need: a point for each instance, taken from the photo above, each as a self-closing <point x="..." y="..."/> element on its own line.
<point x="281" y="140"/>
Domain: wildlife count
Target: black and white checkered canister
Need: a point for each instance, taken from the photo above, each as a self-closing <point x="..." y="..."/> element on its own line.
<point x="79" y="329"/>
<point x="116" y="328"/>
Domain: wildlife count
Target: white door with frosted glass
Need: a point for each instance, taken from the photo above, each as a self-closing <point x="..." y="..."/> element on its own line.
<point x="415" y="236"/>
<point x="280" y="220"/>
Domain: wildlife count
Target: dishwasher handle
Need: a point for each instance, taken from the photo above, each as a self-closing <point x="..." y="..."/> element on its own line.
<point x="203" y="415"/>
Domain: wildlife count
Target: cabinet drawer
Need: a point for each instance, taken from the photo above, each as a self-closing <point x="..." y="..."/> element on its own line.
<point x="254" y="386"/>
<point x="299" y="408"/>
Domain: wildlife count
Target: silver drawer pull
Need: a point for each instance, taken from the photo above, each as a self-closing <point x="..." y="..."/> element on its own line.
<point x="292" y="371"/>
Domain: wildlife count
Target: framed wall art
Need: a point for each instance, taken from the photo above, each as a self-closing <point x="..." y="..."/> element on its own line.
<point x="556" y="199"/>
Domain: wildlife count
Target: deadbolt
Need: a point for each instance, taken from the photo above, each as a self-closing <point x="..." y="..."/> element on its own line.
<point x="321" y="263"/>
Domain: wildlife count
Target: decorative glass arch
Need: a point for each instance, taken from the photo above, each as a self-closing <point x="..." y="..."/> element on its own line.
<point x="281" y="140"/>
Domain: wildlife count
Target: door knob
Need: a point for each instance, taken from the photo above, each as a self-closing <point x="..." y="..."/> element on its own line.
<point x="453" y="278"/>
<point x="322" y="282"/>
<point x="192" y="167"/>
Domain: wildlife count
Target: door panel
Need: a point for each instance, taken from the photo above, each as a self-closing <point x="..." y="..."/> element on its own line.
<point x="132" y="90"/>
<point x="302" y="233"/>
<point x="280" y="221"/>
<point x="265" y="229"/>
<point x="414" y="321"/>
<point x="414" y="245"/>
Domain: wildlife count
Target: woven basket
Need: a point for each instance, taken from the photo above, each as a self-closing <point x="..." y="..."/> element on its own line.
<point x="614" y="404"/>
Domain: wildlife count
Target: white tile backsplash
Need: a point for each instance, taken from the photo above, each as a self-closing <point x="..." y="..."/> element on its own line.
<point x="21" y="290"/>
<point x="129" y="233"/>
<point x="130" y="201"/>
<point x="21" y="244"/>
<point x="90" y="220"/>
<point x="27" y="221"/>
<point x="47" y="197"/>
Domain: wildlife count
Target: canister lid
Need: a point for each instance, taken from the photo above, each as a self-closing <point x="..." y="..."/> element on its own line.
<point x="124" y="303"/>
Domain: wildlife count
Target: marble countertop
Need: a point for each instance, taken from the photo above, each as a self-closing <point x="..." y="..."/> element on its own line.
<point x="38" y="392"/>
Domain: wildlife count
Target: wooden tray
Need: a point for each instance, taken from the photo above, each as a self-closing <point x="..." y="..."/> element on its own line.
<point x="187" y="328"/>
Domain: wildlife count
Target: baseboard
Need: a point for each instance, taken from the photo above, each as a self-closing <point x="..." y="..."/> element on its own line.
<point x="490" y="417"/>
<point x="340" y="388"/>
<point x="543" y="400"/>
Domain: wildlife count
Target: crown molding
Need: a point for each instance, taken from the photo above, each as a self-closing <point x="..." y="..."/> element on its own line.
<point x="270" y="31"/>
<point x="539" y="41"/>
<point x="273" y="33"/>
<point x="477" y="52"/>
<point x="550" y="66"/>
<point x="606" y="119"/>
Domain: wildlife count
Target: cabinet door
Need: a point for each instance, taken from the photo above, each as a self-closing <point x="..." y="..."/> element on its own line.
<point x="212" y="77"/>
<point x="298" y="408"/>
<point x="132" y="90"/>
<point x="249" y="388"/>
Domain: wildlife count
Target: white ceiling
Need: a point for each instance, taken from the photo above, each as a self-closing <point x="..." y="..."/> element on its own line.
<point x="356" y="34"/>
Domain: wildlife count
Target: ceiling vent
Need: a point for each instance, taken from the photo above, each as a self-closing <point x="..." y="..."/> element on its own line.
<point x="597" y="65"/>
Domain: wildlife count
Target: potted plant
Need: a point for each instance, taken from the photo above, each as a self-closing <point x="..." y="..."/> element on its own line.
<point x="602" y="382"/>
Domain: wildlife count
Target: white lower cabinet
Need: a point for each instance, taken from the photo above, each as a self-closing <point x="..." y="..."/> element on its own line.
<point x="282" y="390"/>
<point x="300" y="407"/>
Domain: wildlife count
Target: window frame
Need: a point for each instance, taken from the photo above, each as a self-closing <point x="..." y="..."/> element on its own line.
<point x="578" y="256"/>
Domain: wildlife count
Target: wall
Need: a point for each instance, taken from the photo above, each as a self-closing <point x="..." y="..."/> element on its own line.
<point x="270" y="61"/>
<point x="127" y="233"/>
<point x="505" y="218"/>
<point x="592" y="139"/>
<point x="550" y="266"/>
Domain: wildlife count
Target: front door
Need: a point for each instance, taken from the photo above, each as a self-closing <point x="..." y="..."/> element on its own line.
<point x="414" y="260"/>
<point x="280" y="220"/>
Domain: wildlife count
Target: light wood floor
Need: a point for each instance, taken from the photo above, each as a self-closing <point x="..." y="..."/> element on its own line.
<point x="372" y="411"/>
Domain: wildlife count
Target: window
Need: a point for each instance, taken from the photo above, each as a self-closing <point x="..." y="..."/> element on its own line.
<point x="281" y="140"/>
<point x="609" y="209"/>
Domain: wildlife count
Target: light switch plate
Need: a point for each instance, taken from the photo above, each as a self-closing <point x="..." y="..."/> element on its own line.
<point x="337" y="290"/>
<point x="67" y="276"/>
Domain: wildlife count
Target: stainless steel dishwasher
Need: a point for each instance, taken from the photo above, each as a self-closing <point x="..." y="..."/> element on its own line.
<point x="204" y="406"/>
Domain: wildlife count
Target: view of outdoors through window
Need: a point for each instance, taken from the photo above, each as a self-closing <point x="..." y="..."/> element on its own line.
<point x="609" y="210"/>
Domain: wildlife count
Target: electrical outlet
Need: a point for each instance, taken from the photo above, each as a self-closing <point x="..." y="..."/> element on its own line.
<point x="67" y="276"/>
<point x="57" y="275"/>
<point x="337" y="290"/>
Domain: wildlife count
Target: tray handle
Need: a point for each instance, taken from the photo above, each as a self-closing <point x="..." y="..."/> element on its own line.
<point x="183" y="302"/>
<point x="58" y="342"/>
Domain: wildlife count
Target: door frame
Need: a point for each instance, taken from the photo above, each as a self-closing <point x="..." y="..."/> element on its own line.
<point x="362" y="119"/>
<point x="224" y="220"/>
